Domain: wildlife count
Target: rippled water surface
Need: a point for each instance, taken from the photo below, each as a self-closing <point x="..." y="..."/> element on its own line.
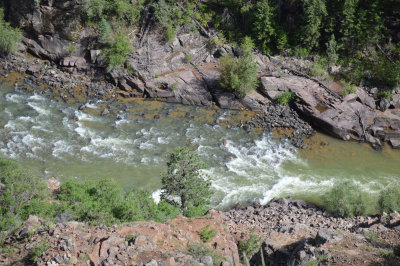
<point x="131" y="144"/>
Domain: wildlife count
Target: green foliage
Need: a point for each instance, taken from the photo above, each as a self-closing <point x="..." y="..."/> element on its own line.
<point x="188" y="58"/>
<point x="314" y="13"/>
<point x="115" y="54"/>
<point x="239" y="75"/>
<point x="389" y="199"/>
<point x="198" y="251"/>
<point x="387" y="94"/>
<point x="372" y="236"/>
<point x="9" y="36"/>
<point x="125" y="11"/>
<point x="38" y="251"/>
<point x="206" y="234"/>
<point x="319" y="67"/>
<point x="105" y="202"/>
<point x="346" y="199"/>
<point x="348" y="88"/>
<point x="300" y="52"/>
<point x="387" y="253"/>
<point x="170" y="33"/>
<point x="72" y="49"/>
<point x="184" y="184"/>
<point x="22" y="195"/>
<point x="105" y="32"/>
<point x="248" y="247"/>
<point x="332" y="50"/>
<point x="264" y="25"/>
<point x="286" y="97"/>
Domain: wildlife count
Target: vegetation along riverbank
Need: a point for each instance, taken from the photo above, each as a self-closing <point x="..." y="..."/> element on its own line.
<point x="295" y="67"/>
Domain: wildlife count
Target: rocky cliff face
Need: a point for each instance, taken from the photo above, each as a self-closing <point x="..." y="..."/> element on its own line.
<point x="288" y="232"/>
<point x="186" y="71"/>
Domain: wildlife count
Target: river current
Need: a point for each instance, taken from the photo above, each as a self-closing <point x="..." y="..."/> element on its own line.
<point x="131" y="144"/>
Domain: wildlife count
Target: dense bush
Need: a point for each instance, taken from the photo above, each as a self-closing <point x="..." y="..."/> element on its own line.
<point x="206" y="234"/>
<point x="184" y="185"/>
<point x="239" y="75"/>
<point x="389" y="199"/>
<point x="346" y="199"/>
<point x="116" y="51"/>
<point x="105" y="202"/>
<point x="9" y="36"/>
<point x="286" y="97"/>
<point x="21" y="195"/>
<point x="125" y="11"/>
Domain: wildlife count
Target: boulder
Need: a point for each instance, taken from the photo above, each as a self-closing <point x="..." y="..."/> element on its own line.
<point x="383" y="104"/>
<point x="226" y="100"/>
<point x="33" y="69"/>
<point x="272" y="87"/>
<point x="74" y="61"/>
<point x="327" y="236"/>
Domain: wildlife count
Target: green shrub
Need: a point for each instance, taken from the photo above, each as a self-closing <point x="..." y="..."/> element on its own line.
<point x="387" y="94"/>
<point x="170" y="33"/>
<point x="286" y="97"/>
<point x="115" y="54"/>
<point x="248" y="247"/>
<point x="9" y="36"/>
<point x="105" y="202"/>
<point x="188" y="58"/>
<point x="206" y="234"/>
<point x="38" y="251"/>
<point x="72" y="49"/>
<point x="300" y="52"/>
<point x="346" y="199"/>
<point x="239" y="75"/>
<point x="319" y="67"/>
<point x="105" y="32"/>
<point x="22" y="195"/>
<point x="125" y="11"/>
<point x="389" y="199"/>
<point x="348" y="88"/>
<point x="198" y="251"/>
<point x="184" y="184"/>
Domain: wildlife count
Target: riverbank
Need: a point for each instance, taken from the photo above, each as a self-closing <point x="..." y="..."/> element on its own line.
<point x="288" y="231"/>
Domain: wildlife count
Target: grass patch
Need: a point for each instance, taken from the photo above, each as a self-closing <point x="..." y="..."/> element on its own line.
<point x="387" y="253"/>
<point x="348" y="88"/>
<point x="198" y="251"/>
<point x="206" y="234"/>
<point x="286" y="97"/>
<point x="38" y="251"/>
<point x="247" y="248"/>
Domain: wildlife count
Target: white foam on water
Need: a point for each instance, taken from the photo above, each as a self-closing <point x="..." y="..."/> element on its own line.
<point x="156" y="195"/>
<point x="39" y="108"/>
<point x="252" y="171"/>
<point x="82" y="116"/>
<point x="91" y="106"/>
<point x="26" y="119"/>
<point x="62" y="148"/>
<point x="15" y="98"/>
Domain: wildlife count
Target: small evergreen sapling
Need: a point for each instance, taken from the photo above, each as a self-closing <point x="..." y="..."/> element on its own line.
<point x="184" y="185"/>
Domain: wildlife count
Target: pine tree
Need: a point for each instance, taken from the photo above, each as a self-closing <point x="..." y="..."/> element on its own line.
<point x="314" y="13"/>
<point x="331" y="50"/>
<point x="263" y="26"/>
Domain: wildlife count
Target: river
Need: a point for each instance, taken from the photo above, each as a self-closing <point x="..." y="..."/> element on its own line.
<point x="130" y="145"/>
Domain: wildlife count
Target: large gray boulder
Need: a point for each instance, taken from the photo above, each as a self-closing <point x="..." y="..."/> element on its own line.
<point x="353" y="117"/>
